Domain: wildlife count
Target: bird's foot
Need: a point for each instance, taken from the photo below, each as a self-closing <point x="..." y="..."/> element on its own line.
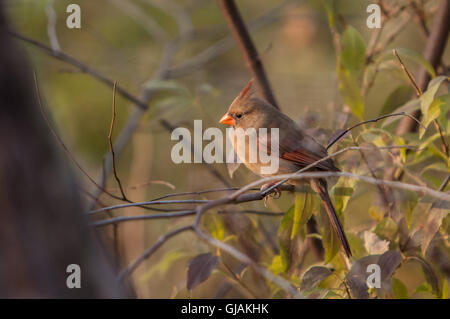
<point x="275" y="192"/>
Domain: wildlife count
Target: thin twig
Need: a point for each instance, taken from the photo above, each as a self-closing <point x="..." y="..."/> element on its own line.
<point x="383" y="191"/>
<point x="433" y="51"/>
<point x="419" y="93"/>
<point x="222" y="46"/>
<point x="121" y="219"/>
<point x="182" y="213"/>
<point x="111" y="148"/>
<point x="140" y="204"/>
<point x="279" y="281"/>
<point x="61" y="142"/>
<point x="236" y="198"/>
<point x="127" y="271"/>
<point x="370" y="180"/>
<point x="444" y="183"/>
<point x="209" y="166"/>
<point x="337" y="138"/>
<point x="238" y="280"/>
<point x="410" y="77"/>
<point x="80" y="66"/>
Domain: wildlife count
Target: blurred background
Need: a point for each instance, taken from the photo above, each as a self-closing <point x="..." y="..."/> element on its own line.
<point x="130" y="41"/>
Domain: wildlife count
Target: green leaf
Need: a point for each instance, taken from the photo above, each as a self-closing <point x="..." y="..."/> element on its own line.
<point x="444" y="289"/>
<point x="342" y="192"/>
<point x="216" y="226"/>
<point x="426" y="143"/>
<point x="408" y="107"/>
<point x="349" y="89"/>
<point x="330" y="240"/>
<point x="408" y="54"/>
<point x="284" y="237"/>
<point x="400" y="291"/>
<point x="400" y="141"/>
<point x="353" y="53"/>
<point x="303" y="210"/>
<point x="299" y="206"/>
<point x="377" y="212"/>
<point x="426" y="100"/>
<point x="357" y="245"/>
<point x="277" y="265"/>
<point x="437" y="166"/>
<point x="386" y="229"/>
<point x="398" y="97"/>
<point x="329" y="7"/>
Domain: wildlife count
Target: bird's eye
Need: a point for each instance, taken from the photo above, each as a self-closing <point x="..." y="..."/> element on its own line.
<point x="239" y="115"/>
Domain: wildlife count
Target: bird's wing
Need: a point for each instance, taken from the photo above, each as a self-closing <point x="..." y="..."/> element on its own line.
<point x="300" y="148"/>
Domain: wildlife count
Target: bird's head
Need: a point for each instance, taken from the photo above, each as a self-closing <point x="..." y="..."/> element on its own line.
<point x="245" y="111"/>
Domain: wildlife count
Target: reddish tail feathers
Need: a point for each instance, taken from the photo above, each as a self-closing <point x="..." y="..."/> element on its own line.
<point x="320" y="186"/>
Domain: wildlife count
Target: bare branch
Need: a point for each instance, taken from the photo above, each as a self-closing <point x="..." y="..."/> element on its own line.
<point x="152" y="250"/>
<point x="61" y="142"/>
<point x="140" y="204"/>
<point x="80" y="66"/>
<point x="182" y="213"/>
<point x="280" y="282"/>
<point x="116" y="220"/>
<point x="220" y="47"/>
<point x="410" y="77"/>
<point x="342" y="134"/>
<point x="248" y="49"/>
<point x="366" y="179"/>
<point x="113" y="119"/>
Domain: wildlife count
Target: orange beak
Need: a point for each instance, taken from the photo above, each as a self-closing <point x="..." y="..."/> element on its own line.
<point x="227" y="119"/>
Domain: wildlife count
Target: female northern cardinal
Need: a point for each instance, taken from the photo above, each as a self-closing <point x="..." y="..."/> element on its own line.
<point x="296" y="148"/>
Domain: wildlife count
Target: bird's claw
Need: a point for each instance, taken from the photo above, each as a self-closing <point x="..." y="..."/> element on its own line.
<point x="274" y="193"/>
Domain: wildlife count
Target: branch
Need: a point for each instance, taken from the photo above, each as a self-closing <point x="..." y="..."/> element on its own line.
<point x="370" y="180"/>
<point x="343" y="133"/>
<point x="434" y="49"/>
<point x="80" y="66"/>
<point x="113" y="119"/>
<point x="220" y="47"/>
<point x="279" y="281"/>
<point x="419" y="94"/>
<point x="116" y="220"/>
<point x="183" y="213"/>
<point x="248" y="49"/>
<point x="140" y="204"/>
<point x="210" y="167"/>
<point x="152" y="250"/>
<point x="61" y="142"/>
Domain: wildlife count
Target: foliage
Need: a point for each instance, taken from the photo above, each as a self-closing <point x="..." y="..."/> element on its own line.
<point x="398" y="230"/>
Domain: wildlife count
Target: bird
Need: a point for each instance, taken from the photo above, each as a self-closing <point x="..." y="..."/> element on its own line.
<point x="296" y="150"/>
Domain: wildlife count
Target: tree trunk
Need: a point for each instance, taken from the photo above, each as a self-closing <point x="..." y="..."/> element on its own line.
<point x="43" y="228"/>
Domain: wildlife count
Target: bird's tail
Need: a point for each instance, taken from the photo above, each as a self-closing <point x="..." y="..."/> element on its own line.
<point x="320" y="187"/>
